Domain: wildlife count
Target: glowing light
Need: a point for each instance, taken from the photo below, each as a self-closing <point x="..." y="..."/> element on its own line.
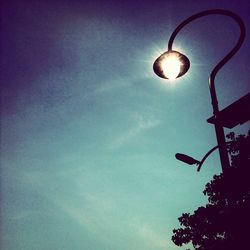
<point x="171" y="66"/>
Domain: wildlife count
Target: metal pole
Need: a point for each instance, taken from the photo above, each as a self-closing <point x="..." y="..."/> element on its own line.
<point x="218" y="127"/>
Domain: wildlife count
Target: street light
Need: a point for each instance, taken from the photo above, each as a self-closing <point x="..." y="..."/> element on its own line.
<point x="191" y="161"/>
<point x="163" y="70"/>
<point x="171" y="64"/>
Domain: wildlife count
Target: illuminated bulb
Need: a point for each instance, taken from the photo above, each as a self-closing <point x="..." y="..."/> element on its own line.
<point x="171" y="65"/>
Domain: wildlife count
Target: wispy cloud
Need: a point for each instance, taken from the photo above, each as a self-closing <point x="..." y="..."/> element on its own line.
<point x="146" y="232"/>
<point x="98" y="212"/>
<point x="106" y="87"/>
<point x="141" y="124"/>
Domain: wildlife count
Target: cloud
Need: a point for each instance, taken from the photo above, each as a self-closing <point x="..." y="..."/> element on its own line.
<point x="152" y="237"/>
<point x="90" y="198"/>
<point x="107" y="87"/>
<point x="141" y="124"/>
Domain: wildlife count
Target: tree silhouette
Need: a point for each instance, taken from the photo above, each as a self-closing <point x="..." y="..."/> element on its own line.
<point x="224" y="223"/>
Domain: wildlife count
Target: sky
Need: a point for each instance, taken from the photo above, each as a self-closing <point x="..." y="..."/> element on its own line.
<point x="89" y="133"/>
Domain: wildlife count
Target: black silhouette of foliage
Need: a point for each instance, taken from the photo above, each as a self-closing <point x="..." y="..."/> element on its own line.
<point x="224" y="223"/>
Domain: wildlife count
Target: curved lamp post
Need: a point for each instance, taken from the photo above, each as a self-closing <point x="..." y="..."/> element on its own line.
<point x="173" y="64"/>
<point x="191" y="161"/>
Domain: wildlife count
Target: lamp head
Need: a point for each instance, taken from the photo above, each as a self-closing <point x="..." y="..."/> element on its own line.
<point x="186" y="159"/>
<point x="171" y="65"/>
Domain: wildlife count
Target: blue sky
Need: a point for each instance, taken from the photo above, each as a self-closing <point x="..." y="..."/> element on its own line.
<point x="89" y="133"/>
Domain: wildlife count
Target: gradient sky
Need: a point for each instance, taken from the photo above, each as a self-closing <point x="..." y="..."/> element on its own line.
<point x="89" y="133"/>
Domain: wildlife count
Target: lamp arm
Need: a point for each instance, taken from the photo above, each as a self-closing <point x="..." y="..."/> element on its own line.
<point x="208" y="153"/>
<point x="226" y="58"/>
<point x="205" y="157"/>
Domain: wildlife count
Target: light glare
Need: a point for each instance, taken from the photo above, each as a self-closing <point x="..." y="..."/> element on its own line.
<point x="171" y="66"/>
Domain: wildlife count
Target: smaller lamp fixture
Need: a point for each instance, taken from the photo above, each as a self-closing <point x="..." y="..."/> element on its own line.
<point x="171" y="65"/>
<point x="191" y="161"/>
<point x="186" y="159"/>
